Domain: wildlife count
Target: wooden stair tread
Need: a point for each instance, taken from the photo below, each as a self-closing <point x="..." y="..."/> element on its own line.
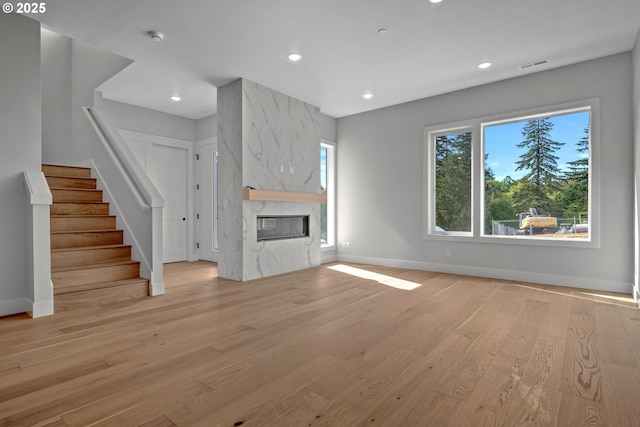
<point x="79" y="208"/>
<point x="88" y="248"/>
<point x="57" y="165"/>
<point x="81" y="202"/>
<point x="83" y="222"/>
<point x="96" y="265"/>
<point x="69" y="177"/>
<point x="81" y="216"/>
<point x="109" y="230"/>
<point x="72" y="189"/>
<point x="100" y="285"/>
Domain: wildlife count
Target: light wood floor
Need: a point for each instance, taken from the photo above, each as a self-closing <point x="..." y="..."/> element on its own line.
<point x="328" y="348"/>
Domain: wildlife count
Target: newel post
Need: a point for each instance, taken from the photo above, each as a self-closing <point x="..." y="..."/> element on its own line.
<point x="40" y="286"/>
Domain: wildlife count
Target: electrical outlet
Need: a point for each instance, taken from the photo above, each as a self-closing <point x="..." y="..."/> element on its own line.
<point x="447" y="252"/>
<point x="346" y="245"/>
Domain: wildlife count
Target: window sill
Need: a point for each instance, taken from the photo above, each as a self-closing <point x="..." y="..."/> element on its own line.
<point x="516" y="241"/>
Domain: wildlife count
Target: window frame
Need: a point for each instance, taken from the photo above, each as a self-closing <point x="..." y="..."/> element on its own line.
<point x="430" y="154"/>
<point x="476" y="126"/>
<point x="331" y="194"/>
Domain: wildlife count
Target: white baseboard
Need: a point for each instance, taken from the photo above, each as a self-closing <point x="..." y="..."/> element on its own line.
<point x="328" y="256"/>
<point x="40" y="309"/>
<point x="157" y="288"/>
<point x="14" y="306"/>
<point x="636" y="294"/>
<point x="520" y="276"/>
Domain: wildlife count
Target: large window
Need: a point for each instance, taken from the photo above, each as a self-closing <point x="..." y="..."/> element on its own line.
<point x="327" y="182"/>
<point x="525" y="176"/>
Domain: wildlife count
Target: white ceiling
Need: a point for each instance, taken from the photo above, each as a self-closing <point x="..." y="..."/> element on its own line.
<point x="428" y="49"/>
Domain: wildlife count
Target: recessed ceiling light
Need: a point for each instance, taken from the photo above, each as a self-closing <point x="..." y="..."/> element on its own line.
<point x="484" y="65"/>
<point x="294" y="57"/>
<point x="175" y="98"/>
<point x="367" y="95"/>
<point x="435" y="1"/>
<point x="155" y="36"/>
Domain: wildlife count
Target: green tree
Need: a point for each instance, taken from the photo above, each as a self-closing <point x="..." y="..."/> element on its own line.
<point x="543" y="174"/>
<point x="498" y="204"/>
<point x="323" y="218"/>
<point x="526" y="194"/>
<point x="579" y="169"/>
<point x="539" y="159"/>
<point x="453" y="181"/>
<point x="574" y="196"/>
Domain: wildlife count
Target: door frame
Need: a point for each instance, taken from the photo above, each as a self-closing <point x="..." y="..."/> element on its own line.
<point x="131" y="135"/>
<point x="213" y="140"/>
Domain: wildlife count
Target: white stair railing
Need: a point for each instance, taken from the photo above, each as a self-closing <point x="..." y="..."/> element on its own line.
<point x="142" y="189"/>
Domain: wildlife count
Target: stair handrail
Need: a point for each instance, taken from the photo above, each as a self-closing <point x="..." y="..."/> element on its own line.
<point x="141" y="186"/>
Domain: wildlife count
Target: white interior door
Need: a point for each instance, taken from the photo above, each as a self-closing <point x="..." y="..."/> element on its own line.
<point x="167" y="169"/>
<point x="168" y="163"/>
<point x="207" y="203"/>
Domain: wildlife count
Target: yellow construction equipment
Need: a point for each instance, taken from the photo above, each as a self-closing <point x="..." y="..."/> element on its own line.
<point x="532" y="223"/>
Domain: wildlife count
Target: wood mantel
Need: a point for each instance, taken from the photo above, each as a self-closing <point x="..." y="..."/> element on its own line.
<point x="282" y="196"/>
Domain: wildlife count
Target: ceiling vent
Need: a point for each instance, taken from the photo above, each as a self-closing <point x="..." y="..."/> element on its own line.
<point x="533" y="64"/>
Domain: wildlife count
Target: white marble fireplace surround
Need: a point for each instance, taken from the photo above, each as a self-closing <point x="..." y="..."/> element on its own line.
<point x="268" y="141"/>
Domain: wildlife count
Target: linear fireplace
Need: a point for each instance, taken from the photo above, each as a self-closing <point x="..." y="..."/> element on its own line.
<point x="279" y="227"/>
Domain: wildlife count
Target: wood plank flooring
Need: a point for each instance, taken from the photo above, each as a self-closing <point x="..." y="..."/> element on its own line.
<point x="322" y="347"/>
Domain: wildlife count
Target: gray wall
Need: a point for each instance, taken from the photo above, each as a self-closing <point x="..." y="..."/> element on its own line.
<point x="207" y="127"/>
<point x="56" y="97"/>
<point x="90" y="67"/>
<point x="328" y="128"/>
<point x="20" y="150"/>
<point x="140" y="119"/>
<point x="380" y="180"/>
<point x="72" y="70"/>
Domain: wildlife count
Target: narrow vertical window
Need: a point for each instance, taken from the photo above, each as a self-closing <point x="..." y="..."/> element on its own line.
<point x="215" y="202"/>
<point x="453" y="182"/>
<point x="327" y="186"/>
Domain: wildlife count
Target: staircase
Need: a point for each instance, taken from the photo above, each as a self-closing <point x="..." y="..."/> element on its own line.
<point x="90" y="264"/>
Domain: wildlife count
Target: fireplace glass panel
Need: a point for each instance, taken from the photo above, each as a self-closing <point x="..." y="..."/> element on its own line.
<point x="282" y="227"/>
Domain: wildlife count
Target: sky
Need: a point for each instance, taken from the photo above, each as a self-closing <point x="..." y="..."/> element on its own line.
<point x="501" y="140"/>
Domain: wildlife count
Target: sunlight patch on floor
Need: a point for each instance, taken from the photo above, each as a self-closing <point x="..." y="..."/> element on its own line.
<point x="383" y="279"/>
<point x="589" y="296"/>
<point x="621" y="298"/>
